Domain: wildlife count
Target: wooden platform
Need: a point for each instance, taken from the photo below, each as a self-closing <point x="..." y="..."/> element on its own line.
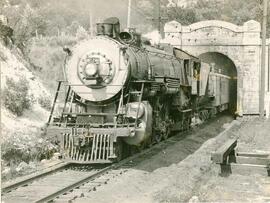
<point x="240" y="162"/>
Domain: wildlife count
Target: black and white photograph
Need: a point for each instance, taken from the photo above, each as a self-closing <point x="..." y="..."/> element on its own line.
<point x="135" y="101"/>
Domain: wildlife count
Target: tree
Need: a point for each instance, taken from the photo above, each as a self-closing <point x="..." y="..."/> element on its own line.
<point x="29" y="23"/>
<point x="81" y="33"/>
<point x="185" y="16"/>
<point x="233" y="11"/>
<point x="209" y="10"/>
<point x="73" y="28"/>
<point x="25" y="22"/>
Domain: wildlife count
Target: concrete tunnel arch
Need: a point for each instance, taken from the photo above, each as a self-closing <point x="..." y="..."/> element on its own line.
<point x="241" y="43"/>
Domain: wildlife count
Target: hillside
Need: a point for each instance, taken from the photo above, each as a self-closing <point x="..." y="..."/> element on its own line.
<point x="22" y="139"/>
<point x="35" y="117"/>
<point x="48" y="57"/>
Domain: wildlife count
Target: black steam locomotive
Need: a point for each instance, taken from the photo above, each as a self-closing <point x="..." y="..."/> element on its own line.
<point x="124" y="93"/>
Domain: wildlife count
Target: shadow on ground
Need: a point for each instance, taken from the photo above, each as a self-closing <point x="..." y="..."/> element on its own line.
<point x="181" y="145"/>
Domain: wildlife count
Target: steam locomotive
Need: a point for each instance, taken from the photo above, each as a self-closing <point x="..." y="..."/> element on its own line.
<point x="124" y="93"/>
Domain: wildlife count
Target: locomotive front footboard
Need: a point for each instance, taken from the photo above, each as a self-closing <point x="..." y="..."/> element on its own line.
<point x="91" y="145"/>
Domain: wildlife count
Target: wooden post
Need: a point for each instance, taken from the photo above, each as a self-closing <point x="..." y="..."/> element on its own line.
<point x="262" y="84"/>
<point x="268" y="86"/>
<point x="0" y="112"/>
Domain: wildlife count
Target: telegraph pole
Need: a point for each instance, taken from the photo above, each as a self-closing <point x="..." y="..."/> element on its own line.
<point x="129" y="13"/>
<point x="91" y="24"/>
<point x="158" y="20"/>
<point x="262" y="84"/>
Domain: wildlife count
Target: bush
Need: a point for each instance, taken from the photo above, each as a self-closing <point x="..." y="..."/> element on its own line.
<point x="45" y="102"/>
<point x="25" y="149"/>
<point x="16" y="96"/>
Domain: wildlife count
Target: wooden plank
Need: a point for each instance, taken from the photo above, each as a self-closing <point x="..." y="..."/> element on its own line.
<point x="249" y="154"/>
<point x="252" y="160"/>
<point x="249" y="169"/>
<point x="220" y="156"/>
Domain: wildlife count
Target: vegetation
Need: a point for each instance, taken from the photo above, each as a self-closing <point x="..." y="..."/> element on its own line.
<point x="24" y="148"/>
<point x="16" y="96"/>
<point x="47" y="54"/>
<point x="34" y="17"/>
<point x="236" y="12"/>
<point x="21" y="153"/>
<point x="45" y="102"/>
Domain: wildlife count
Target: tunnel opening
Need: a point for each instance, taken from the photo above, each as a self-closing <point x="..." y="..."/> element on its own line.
<point x="224" y="65"/>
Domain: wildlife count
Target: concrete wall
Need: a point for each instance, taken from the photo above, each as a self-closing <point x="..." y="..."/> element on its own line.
<point x="242" y="44"/>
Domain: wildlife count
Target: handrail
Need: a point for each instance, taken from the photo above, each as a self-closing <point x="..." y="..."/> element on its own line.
<point x="55" y="98"/>
<point x="65" y="104"/>
<point x="140" y="100"/>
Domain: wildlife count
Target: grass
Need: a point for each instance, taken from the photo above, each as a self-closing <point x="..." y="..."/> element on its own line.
<point x="47" y="54"/>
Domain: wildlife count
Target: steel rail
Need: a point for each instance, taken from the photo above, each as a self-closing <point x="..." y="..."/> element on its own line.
<point x="25" y="181"/>
<point x="68" y="188"/>
<point x="72" y="186"/>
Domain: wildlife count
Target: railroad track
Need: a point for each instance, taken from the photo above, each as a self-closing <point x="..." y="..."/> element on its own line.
<point x="47" y="185"/>
<point x="7" y="188"/>
<point x="60" y="183"/>
<point x="70" y="181"/>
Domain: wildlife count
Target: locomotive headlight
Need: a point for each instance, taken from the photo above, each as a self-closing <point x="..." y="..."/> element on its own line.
<point x="91" y="69"/>
<point x="95" y="70"/>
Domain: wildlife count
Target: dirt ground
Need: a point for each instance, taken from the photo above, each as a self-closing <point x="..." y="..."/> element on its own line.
<point x="254" y="136"/>
<point x="185" y="173"/>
